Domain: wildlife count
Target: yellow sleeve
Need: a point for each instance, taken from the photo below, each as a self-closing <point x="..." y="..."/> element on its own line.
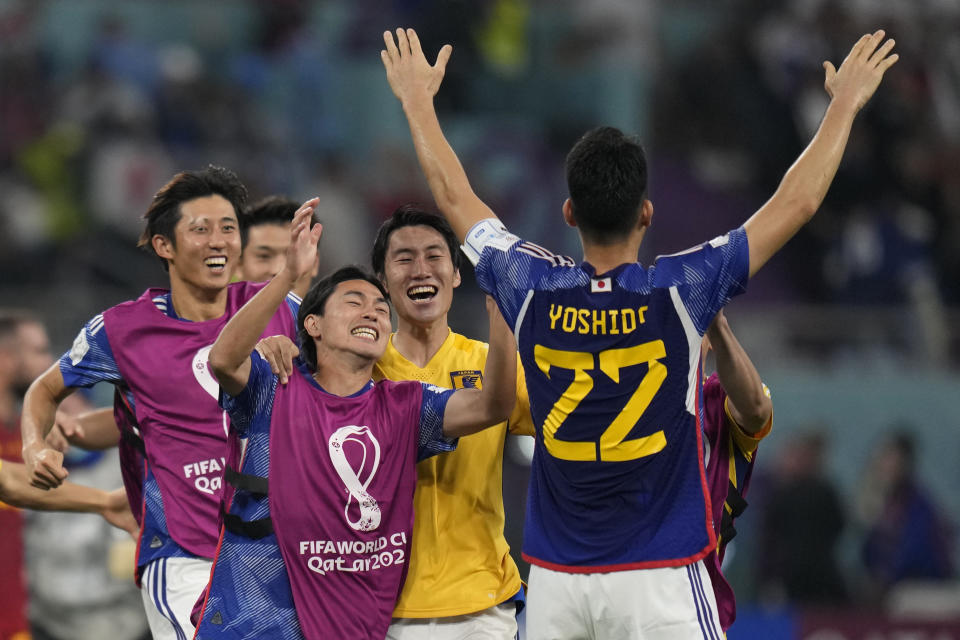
<point x="520" y="422"/>
<point x="746" y="442"/>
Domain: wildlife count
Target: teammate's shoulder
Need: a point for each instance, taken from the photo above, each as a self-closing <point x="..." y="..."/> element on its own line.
<point x="468" y="345"/>
<point x="153" y="296"/>
<point x="244" y="290"/>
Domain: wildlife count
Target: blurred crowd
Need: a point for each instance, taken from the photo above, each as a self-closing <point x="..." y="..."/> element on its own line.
<point x="102" y="101"/>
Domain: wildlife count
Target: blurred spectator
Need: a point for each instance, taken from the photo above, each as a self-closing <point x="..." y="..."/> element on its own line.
<point x="907" y="536"/>
<point x="802" y="519"/>
<point x="24" y="354"/>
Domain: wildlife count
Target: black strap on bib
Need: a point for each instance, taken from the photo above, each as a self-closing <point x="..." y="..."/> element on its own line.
<point x="254" y="529"/>
<point x="737" y="506"/>
<point x="258" y="485"/>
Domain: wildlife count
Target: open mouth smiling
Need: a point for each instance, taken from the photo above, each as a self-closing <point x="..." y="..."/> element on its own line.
<point x="216" y="263"/>
<point x="422" y="292"/>
<point x="366" y="333"/>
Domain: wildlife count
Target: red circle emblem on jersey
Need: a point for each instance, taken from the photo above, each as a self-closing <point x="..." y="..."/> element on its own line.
<point x="601" y="284"/>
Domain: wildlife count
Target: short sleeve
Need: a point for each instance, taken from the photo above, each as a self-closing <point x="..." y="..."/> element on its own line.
<point x="708" y="276"/>
<point x="90" y="360"/>
<point x="433" y="405"/>
<point x="507" y="267"/>
<point x="256" y="399"/>
<point x="748" y="442"/>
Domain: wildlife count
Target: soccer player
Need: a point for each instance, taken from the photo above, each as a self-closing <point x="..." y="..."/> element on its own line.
<point x="618" y="522"/>
<point x="154" y="350"/>
<point x="322" y="513"/>
<point x="461" y="579"/>
<point x="266" y="238"/>
<point x="737" y="415"/>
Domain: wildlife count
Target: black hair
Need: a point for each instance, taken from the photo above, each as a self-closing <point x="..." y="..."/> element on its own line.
<point x="164" y="212"/>
<point x="315" y="302"/>
<point x="409" y="215"/>
<point x="270" y="210"/>
<point x="607" y="180"/>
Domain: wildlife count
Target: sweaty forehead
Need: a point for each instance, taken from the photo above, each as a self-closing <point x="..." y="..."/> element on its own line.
<point x="358" y="288"/>
<point x="415" y="238"/>
<point x="208" y="208"/>
<point x="269" y="234"/>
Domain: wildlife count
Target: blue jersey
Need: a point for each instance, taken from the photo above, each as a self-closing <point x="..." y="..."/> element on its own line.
<point x="612" y="370"/>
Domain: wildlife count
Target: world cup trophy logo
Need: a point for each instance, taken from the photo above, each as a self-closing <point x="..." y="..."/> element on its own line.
<point x="369" y="510"/>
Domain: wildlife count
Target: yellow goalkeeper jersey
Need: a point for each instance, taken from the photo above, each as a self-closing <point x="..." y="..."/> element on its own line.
<point x="459" y="561"/>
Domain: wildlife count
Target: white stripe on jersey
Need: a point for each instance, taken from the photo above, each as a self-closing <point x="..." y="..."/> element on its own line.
<point x="521" y="314"/>
<point x="96" y="324"/>
<point x="693" y="342"/>
<point x="295" y="298"/>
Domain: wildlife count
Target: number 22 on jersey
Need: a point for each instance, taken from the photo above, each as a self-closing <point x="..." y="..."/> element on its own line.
<point x="613" y="445"/>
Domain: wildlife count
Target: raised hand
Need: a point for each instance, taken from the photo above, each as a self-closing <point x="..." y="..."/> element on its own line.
<point x="860" y="73"/>
<point x="409" y="73"/>
<point x="302" y="254"/>
<point x="279" y="352"/>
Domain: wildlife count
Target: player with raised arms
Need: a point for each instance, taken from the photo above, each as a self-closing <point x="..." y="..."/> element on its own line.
<point x="316" y="537"/>
<point x="154" y="351"/>
<point x="618" y="516"/>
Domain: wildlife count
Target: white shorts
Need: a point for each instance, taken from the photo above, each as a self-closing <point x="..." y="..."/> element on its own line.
<point x="496" y="623"/>
<point x="672" y="603"/>
<point x="170" y="588"/>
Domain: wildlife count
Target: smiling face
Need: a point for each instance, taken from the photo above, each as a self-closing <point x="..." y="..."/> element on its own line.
<point x="419" y="274"/>
<point x="355" y="320"/>
<point x="206" y="247"/>
<point x="266" y="251"/>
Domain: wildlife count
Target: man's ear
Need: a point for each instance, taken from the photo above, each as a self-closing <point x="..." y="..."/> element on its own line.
<point x="312" y="324"/>
<point x="646" y="213"/>
<point x="162" y="246"/>
<point x="456" y="278"/>
<point x="568" y="213"/>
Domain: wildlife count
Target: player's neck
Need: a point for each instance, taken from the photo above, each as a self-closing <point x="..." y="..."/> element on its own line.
<point x="607" y="257"/>
<point x="195" y="304"/>
<point x="342" y="374"/>
<point x="419" y="343"/>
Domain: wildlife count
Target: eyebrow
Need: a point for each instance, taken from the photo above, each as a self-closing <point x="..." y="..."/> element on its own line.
<point x="429" y="247"/>
<point x="361" y="294"/>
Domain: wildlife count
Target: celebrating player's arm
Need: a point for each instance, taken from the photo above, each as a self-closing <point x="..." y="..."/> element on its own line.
<point x="472" y="410"/>
<point x="44" y="464"/>
<point x="16" y="490"/>
<point x="805" y="184"/>
<point x="230" y="354"/>
<point x="94" y="430"/>
<point x="748" y="401"/>
<point x="415" y="82"/>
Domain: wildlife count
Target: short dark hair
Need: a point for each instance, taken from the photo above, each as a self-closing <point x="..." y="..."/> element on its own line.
<point x="270" y="210"/>
<point x="164" y="212"/>
<point x="315" y="302"/>
<point x="607" y="180"/>
<point x="409" y="215"/>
